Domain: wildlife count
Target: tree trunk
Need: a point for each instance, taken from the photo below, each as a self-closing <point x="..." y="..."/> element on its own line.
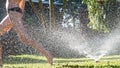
<point x="40" y="18"/>
<point x="51" y="14"/>
<point x="63" y="10"/>
<point x="42" y="13"/>
<point x="84" y="21"/>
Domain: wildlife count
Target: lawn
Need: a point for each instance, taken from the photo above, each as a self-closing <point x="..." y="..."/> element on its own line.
<point x="33" y="61"/>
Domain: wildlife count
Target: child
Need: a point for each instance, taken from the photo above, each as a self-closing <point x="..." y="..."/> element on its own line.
<point x="15" y="9"/>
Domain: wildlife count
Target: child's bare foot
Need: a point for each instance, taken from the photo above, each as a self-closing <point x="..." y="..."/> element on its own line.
<point x="50" y="58"/>
<point x="1" y="64"/>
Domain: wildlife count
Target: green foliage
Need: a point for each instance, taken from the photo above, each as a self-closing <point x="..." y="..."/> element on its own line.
<point x="96" y="15"/>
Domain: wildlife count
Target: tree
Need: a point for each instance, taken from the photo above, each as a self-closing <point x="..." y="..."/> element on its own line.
<point x="96" y="14"/>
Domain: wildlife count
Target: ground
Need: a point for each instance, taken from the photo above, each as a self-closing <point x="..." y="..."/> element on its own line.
<point x="34" y="61"/>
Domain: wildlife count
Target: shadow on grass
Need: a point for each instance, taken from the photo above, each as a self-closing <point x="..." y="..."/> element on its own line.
<point x="22" y="60"/>
<point x="65" y="61"/>
<point x="26" y="59"/>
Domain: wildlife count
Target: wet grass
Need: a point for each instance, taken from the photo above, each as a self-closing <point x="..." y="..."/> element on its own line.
<point x="33" y="61"/>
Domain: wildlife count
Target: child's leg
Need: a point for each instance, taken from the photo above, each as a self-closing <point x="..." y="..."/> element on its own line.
<point x="17" y="23"/>
<point x="5" y="25"/>
<point x="0" y="54"/>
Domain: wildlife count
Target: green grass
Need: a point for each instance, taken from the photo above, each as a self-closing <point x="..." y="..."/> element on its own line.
<point x="33" y="61"/>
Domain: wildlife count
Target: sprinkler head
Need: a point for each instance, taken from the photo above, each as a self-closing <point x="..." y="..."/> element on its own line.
<point x="97" y="61"/>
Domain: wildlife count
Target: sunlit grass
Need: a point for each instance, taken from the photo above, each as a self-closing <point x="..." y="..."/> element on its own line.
<point x="33" y="61"/>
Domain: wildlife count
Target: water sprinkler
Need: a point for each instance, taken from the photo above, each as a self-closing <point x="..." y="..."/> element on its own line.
<point x="97" y="61"/>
